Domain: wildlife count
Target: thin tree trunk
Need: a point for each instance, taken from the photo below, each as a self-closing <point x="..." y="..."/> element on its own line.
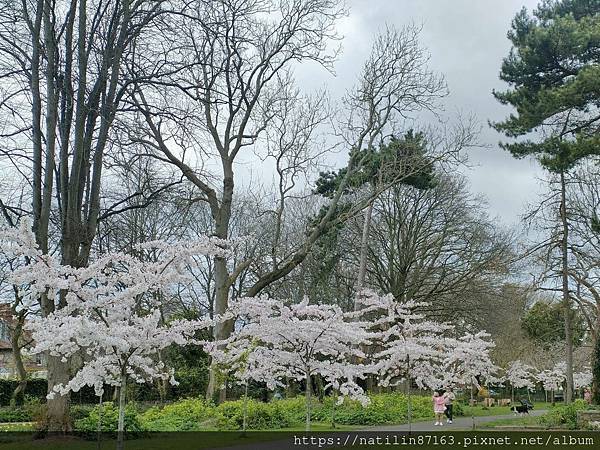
<point x="596" y="370"/>
<point x="121" y="423"/>
<point x="408" y="397"/>
<point x="15" y="338"/>
<point x="245" y="419"/>
<point x="362" y="270"/>
<point x="308" y="399"/>
<point x="99" y="430"/>
<point x="333" y="406"/>
<point x="565" y="289"/>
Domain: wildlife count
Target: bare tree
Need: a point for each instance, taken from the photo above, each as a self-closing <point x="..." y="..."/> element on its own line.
<point x="436" y="246"/>
<point x="64" y="62"/>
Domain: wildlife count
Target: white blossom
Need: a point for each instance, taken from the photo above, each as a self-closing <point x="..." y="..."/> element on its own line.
<point x="553" y="379"/>
<point x="109" y="311"/>
<point x="520" y="375"/>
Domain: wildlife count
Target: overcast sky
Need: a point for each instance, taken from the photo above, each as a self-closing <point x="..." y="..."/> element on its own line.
<point x="467" y="41"/>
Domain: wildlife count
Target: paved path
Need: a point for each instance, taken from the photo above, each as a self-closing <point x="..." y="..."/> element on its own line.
<point x="459" y="423"/>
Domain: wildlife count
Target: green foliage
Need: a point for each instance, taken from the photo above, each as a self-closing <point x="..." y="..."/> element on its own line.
<point x="294" y="408"/>
<point x="259" y="415"/>
<point x="194" y="414"/>
<point x="563" y="416"/>
<point x="190" y="414"/>
<point x="108" y="417"/>
<point x="36" y="387"/>
<point x="17" y="414"/>
<point x="383" y="409"/>
<point x="544" y="322"/>
<point x="403" y="160"/>
<point x="78" y="412"/>
<point x="555" y="82"/>
<point x="596" y="373"/>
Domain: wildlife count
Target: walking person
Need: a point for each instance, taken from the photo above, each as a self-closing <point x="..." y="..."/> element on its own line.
<point x="449" y="399"/>
<point x="587" y="396"/>
<point x="439" y="406"/>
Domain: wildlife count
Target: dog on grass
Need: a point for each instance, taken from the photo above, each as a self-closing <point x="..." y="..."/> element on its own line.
<point x="520" y="410"/>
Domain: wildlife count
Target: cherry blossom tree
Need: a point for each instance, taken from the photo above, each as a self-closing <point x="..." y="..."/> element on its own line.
<point x="113" y="316"/>
<point x="519" y="375"/>
<point x="553" y="379"/>
<point x="296" y="341"/>
<point x="411" y="346"/>
<point x="583" y="379"/>
<point x="468" y="360"/>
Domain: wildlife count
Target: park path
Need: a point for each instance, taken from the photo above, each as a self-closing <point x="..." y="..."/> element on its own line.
<point x="460" y="424"/>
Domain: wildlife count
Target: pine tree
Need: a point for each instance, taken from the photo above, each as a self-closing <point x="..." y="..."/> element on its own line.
<point x="554" y="80"/>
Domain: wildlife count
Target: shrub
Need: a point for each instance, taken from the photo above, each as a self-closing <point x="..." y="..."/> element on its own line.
<point x="36" y="387"/>
<point x="17" y="414"/>
<point x="109" y="417"/>
<point x="384" y="409"/>
<point x="79" y="412"/>
<point x="191" y="414"/>
<point x="563" y="416"/>
<point x="294" y="409"/>
<point x="260" y="416"/>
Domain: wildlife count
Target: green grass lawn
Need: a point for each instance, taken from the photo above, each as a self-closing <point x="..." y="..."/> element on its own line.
<point x="161" y="441"/>
<point x="527" y="421"/>
<point x="17" y="426"/>
<point x="480" y="411"/>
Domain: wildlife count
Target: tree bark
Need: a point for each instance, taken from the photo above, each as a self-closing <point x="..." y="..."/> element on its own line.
<point x="58" y="419"/>
<point x="15" y="338"/>
<point x="121" y="423"/>
<point x="221" y="330"/>
<point x="565" y="289"/>
<point x="308" y="399"/>
<point x="596" y="364"/>
<point x="362" y="270"/>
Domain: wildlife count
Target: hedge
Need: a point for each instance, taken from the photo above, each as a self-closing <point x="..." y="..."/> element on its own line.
<point x="37" y="389"/>
<point x="195" y="414"/>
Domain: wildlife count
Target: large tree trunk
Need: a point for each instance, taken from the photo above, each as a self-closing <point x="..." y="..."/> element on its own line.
<point x="565" y="289"/>
<point x="221" y="330"/>
<point x="15" y="339"/>
<point x="57" y="418"/>
<point x="596" y="362"/>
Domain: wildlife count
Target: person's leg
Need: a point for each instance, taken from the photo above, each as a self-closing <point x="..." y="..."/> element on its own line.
<point x="449" y="412"/>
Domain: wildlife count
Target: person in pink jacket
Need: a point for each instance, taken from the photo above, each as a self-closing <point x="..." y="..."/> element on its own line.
<point x="439" y="406"/>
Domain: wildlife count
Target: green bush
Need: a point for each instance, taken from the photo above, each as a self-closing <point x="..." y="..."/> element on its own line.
<point x="458" y="409"/>
<point x="36" y="387"/>
<point x="294" y="409"/>
<point x="17" y="414"/>
<point x="79" y="412"/>
<point x="191" y="414"/>
<point x="563" y="416"/>
<point x="109" y="417"/>
<point x="194" y="414"/>
<point x="384" y="409"/>
<point x="259" y="415"/>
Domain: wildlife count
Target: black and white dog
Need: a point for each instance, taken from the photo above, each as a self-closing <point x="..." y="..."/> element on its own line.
<point x="520" y="409"/>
